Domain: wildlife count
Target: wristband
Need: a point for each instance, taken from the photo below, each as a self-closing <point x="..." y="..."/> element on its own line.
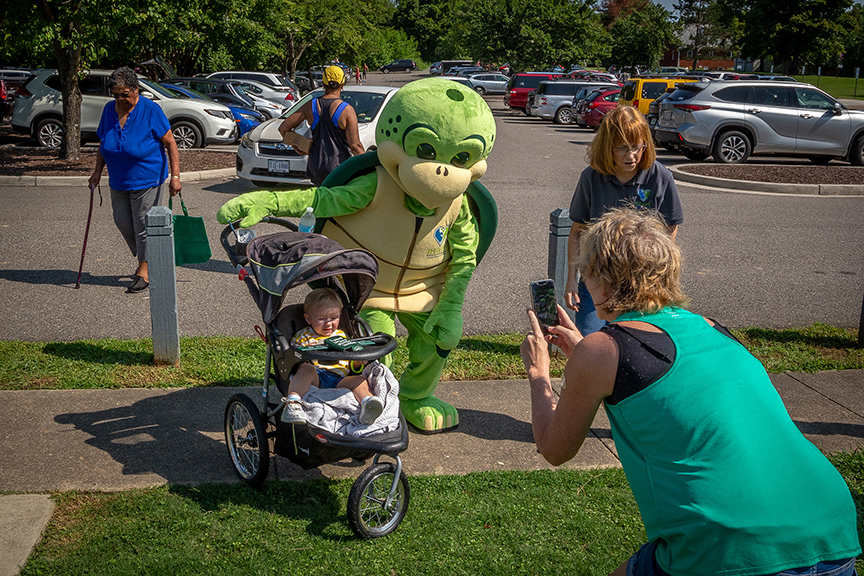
<point x="175" y="177"/>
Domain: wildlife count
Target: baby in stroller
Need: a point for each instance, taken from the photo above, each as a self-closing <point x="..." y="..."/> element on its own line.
<point x="322" y="309"/>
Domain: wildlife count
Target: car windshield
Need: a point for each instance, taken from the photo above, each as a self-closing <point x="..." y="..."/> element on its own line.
<point x="155" y="88"/>
<point x="365" y="104"/>
<point x="174" y="93"/>
<point x="684" y="92"/>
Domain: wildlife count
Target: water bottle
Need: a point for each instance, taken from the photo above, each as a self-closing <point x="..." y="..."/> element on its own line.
<point x="307" y="221"/>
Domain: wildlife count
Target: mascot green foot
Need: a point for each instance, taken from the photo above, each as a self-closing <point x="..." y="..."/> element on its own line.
<point x="429" y="415"/>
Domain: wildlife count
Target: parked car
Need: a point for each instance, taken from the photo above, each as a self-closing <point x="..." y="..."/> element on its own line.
<point x="245" y="117"/>
<point x="265" y="160"/>
<point x="654" y="111"/>
<point x="435" y="69"/>
<point x="776" y="78"/>
<point x="270" y="78"/>
<point x="591" y="75"/>
<point x="461" y="79"/>
<point x="465" y="71"/>
<point x="553" y="100"/>
<point x="229" y="90"/>
<point x="489" y="83"/>
<point x="14" y="78"/>
<point x="598" y="104"/>
<point x="283" y="95"/>
<point x="7" y="101"/>
<point x="639" y="91"/>
<point x="521" y="84"/>
<point x="732" y="120"/>
<point x="39" y="111"/>
<point x="399" y="65"/>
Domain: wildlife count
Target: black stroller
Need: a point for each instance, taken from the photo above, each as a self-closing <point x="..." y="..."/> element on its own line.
<point x="379" y="497"/>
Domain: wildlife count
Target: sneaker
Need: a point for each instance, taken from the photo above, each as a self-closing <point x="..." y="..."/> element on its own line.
<point x="293" y="411"/>
<point x="370" y="409"/>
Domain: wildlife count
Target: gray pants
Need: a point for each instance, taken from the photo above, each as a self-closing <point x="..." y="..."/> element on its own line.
<point x="130" y="209"/>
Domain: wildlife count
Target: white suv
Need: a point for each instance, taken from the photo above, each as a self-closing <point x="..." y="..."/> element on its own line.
<point x="39" y="111"/>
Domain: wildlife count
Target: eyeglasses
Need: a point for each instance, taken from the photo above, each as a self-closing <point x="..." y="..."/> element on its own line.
<point x="123" y="95"/>
<point x="623" y="150"/>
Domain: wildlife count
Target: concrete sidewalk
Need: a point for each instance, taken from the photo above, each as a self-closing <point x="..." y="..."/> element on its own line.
<point x="135" y="438"/>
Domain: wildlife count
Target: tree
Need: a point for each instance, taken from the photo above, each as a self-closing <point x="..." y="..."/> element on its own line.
<point x="700" y="22"/>
<point x="614" y="9"/>
<point x="639" y="39"/>
<point x="527" y="33"/>
<point x="795" y="31"/>
<point x="853" y="43"/>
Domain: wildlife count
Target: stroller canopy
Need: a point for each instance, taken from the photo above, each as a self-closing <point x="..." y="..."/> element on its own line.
<point x="288" y="259"/>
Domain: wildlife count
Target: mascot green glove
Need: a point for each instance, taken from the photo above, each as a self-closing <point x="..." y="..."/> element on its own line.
<point x="412" y="213"/>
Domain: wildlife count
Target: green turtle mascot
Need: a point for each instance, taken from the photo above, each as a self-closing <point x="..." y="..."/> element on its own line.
<point x="415" y="205"/>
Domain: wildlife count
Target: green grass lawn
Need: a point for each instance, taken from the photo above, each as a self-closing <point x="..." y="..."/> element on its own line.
<point x="493" y="523"/>
<point x="227" y="361"/>
<point x="838" y="87"/>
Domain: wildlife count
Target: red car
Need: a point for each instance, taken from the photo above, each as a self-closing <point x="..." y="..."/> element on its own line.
<point x="598" y="104"/>
<point x="521" y="85"/>
<point x="7" y="101"/>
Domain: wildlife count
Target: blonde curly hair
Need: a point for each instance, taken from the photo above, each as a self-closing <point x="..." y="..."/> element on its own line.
<point x="630" y="250"/>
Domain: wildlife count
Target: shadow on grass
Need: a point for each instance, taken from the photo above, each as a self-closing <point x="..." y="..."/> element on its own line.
<point x="95" y="354"/>
<point x="838" y="340"/>
<point x="470" y="344"/>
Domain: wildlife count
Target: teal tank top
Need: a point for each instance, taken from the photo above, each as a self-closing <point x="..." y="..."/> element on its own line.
<point x="725" y="482"/>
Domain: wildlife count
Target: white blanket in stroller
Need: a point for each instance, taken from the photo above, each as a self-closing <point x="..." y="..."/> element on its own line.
<point x="338" y="411"/>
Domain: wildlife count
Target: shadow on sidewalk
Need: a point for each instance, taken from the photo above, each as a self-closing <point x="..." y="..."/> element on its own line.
<point x="62" y="278"/>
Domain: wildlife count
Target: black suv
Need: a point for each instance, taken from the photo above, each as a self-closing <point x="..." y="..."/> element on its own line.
<point x="406" y="65"/>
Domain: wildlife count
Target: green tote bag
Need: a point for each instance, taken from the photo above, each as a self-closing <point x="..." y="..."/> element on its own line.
<point x="191" y="245"/>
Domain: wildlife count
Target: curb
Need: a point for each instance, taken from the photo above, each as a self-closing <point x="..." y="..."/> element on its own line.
<point x="751" y="186"/>
<point x="83" y="180"/>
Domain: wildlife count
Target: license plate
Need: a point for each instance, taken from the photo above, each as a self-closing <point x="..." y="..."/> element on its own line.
<point x="281" y="166"/>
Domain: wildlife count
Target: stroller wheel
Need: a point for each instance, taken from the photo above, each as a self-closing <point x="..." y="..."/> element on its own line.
<point x="368" y="513"/>
<point x="246" y="437"/>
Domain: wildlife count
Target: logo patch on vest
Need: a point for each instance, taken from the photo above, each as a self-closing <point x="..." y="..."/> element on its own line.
<point x="440" y="234"/>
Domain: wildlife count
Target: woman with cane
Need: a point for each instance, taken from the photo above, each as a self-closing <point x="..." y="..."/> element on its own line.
<point x="137" y="146"/>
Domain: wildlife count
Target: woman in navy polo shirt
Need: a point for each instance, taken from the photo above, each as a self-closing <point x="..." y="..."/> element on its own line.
<point x="134" y="136"/>
<point x="622" y="170"/>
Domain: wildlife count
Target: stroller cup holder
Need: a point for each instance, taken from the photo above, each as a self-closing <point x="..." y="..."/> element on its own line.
<point x="379" y="498"/>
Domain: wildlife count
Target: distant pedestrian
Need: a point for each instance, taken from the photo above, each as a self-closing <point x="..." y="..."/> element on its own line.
<point x="357" y="75"/>
<point x="137" y="145"/>
<point x="365" y="71"/>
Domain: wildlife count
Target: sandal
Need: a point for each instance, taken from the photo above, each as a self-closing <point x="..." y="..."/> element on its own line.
<point x="138" y="285"/>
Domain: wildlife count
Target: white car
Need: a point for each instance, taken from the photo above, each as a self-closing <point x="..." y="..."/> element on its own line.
<point x="39" y="111"/>
<point x="282" y="95"/>
<point x="264" y="159"/>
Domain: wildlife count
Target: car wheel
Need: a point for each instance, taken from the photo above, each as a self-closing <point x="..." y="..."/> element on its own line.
<point x="694" y="155"/>
<point x="856" y="155"/>
<point x="820" y="160"/>
<point x="407" y="70"/>
<point x="386" y="70"/>
<point x="49" y="132"/>
<point x="564" y="115"/>
<point x="732" y="147"/>
<point x="480" y="90"/>
<point x="187" y="135"/>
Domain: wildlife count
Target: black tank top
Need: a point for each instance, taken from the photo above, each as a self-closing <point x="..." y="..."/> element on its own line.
<point x="643" y="358"/>
<point x="329" y="143"/>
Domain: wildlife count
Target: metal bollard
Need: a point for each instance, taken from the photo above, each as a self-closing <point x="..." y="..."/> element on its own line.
<point x="559" y="233"/>
<point x="163" y="286"/>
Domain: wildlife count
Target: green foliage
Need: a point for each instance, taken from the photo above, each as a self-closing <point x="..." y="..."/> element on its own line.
<point x="640" y="38"/>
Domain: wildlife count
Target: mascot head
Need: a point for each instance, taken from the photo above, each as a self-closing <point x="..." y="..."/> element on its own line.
<point x="433" y="138"/>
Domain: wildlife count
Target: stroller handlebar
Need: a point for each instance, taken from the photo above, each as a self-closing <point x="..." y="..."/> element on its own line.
<point x="237" y="251"/>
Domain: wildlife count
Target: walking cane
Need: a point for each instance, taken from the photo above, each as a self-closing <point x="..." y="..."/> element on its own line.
<point x="86" y="234"/>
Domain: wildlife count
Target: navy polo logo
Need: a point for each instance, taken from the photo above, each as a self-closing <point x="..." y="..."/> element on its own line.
<point x="643" y="193"/>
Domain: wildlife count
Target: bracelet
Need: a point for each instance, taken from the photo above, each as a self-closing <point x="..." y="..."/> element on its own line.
<point x="175" y="177"/>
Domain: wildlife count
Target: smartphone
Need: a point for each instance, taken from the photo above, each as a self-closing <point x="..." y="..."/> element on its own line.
<point x="544" y="303"/>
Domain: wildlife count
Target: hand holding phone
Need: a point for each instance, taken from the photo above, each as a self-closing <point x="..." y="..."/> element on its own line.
<point x="544" y="303"/>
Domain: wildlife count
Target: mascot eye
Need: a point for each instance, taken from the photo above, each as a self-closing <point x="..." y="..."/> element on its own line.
<point x="426" y="152"/>
<point x="460" y="159"/>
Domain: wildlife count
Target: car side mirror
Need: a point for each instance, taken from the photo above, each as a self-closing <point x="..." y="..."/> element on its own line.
<point x="147" y="94"/>
<point x="838" y="108"/>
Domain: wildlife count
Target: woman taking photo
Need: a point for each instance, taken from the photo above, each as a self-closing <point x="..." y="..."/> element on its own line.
<point x="622" y="170"/>
<point x="725" y="482"/>
<point x="134" y="135"/>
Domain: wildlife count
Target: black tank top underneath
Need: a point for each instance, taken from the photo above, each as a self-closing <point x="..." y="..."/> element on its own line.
<point x="643" y="358"/>
<point x="329" y="144"/>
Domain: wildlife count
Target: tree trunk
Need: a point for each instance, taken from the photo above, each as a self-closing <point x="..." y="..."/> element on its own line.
<point x="68" y="61"/>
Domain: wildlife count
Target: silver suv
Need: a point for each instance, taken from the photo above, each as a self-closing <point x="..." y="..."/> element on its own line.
<point x="731" y="120"/>
<point x="553" y="100"/>
<point x="39" y="111"/>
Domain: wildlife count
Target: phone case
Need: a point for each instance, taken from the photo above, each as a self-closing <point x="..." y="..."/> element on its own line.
<point x="544" y="302"/>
